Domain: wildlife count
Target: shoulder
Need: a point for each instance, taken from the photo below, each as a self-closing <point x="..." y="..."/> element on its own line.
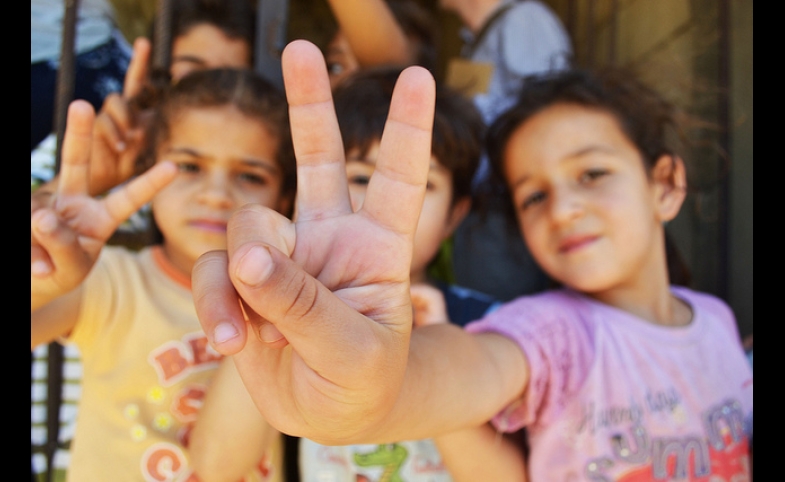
<point x="709" y="307"/>
<point x="551" y="317"/>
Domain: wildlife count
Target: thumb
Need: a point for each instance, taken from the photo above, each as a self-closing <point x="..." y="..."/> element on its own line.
<point x="311" y="318"/>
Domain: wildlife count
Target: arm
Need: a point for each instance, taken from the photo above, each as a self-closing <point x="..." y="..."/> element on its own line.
<point x="482" y="453"/>
<point x="67" y="235"/>
<point x="230" y="436"/>
<point x="372" y="31"/>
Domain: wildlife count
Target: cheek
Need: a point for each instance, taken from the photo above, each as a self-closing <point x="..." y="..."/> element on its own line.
<point x="534" y="236"/>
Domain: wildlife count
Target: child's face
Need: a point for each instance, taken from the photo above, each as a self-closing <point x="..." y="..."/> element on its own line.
<point x="226" y="160"/>
<point x="438" y="219"/>
<point x="205" y="46"/>
<point x="586" y="207"/>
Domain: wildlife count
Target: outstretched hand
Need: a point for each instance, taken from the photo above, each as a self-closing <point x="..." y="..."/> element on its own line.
<point x="67" y="236"/>
<point x="326" y="297"/>
<point x="119" y="129"/>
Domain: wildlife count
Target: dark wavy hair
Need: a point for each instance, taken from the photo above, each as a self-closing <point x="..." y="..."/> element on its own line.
<point x="362" y="102"/>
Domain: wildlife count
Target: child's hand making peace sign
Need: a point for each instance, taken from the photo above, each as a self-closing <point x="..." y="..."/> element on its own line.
<point x="334" y="285"/>
<point x="67" y="236"/>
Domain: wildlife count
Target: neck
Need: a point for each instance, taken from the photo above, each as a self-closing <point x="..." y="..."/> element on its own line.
<point x="475" y="14"/>
<point x="649" y="296"/>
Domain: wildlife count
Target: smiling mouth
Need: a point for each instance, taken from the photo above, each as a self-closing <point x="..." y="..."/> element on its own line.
<point x="575" y="243"/>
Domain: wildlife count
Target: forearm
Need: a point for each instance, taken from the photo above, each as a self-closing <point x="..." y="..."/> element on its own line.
<point x="482" y="453"/>
<point x="454" y="380"/>
<point x="373" y="32"/>
<point x="52" y="320"/>
<point x="230" y="436"/>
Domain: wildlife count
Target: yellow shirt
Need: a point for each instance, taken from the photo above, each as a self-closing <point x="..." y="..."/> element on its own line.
<point x="147" y="365"/>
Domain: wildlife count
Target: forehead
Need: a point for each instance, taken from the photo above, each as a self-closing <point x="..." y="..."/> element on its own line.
<point x="221" y="131"/>
<point x="563" y="131"/>
<point x="213" y="47"/>
<point x="353" y="155"/>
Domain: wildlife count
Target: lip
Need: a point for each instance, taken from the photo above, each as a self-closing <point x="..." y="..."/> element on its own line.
<point x="573" y="243"/>
<point x="209" y="225"/>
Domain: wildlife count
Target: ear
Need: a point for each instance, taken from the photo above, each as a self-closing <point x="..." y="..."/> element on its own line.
<point x="670" y="186"/>
<point x="458" y="212"/>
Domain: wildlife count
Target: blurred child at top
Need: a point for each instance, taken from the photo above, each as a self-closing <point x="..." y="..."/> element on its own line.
<point x="408" y="39"/>
<point x="205" y="34"/>
<point x="618" y="375"/>
<point x="219" y="140"/>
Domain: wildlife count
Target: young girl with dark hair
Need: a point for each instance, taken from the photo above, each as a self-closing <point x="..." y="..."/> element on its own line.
<point x="220" y="141"/>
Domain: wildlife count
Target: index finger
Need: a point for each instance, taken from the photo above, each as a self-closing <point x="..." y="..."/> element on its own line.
<point x="75" y="154"/>
<point x="322" y="188"/>
<point x="137" y="68"/>
<point x="397" y="187"/>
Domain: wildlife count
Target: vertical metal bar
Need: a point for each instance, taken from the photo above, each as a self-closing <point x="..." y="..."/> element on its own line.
<point x="64" y="92"/>
<point x="590" y="35"/>
<point x="54" y="400"/>
<point x="572" y="28"/>
<point x="612" y="31"/>
<point x="66" y="73"/>
<point x="271" y="22"/>
<point x="162" y="36"/>
<point x="723" y="120"/>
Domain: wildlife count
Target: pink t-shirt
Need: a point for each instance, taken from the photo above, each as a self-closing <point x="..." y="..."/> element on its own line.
<point x="615" y="398"/>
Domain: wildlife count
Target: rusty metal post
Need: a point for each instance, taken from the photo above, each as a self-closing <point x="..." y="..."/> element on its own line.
<point x="272" y="17"/>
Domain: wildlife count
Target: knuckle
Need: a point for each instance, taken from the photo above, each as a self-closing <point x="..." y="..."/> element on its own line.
<point x="305" y="297"/>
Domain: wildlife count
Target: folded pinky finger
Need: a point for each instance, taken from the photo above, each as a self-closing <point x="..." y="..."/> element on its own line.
<point x="217" y="303"/>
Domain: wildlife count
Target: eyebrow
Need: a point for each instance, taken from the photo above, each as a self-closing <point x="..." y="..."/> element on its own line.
<point x="189" y="58"/>
<point x="269" y="166"/>
<point x="584" y="151"/>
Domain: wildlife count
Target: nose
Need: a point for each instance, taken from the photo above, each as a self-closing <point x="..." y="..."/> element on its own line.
<point x="216" y="191"/>
<point x="566" y="205"/>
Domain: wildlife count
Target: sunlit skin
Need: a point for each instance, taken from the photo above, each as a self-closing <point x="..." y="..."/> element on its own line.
<point x="225" y="160"/>
<point x="205" y="46"/>
<point x="438" y="218"/>
<point x="590" y="214"/>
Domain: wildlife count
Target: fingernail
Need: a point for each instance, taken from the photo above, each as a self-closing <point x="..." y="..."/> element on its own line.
<point x="255" y="267"/>
<point x="120" y="146"/>
<point x="39" y="268"/>
<point x="46" y="223"/>
<point x="224" y="332"/>
<point x="268" y="333"/>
